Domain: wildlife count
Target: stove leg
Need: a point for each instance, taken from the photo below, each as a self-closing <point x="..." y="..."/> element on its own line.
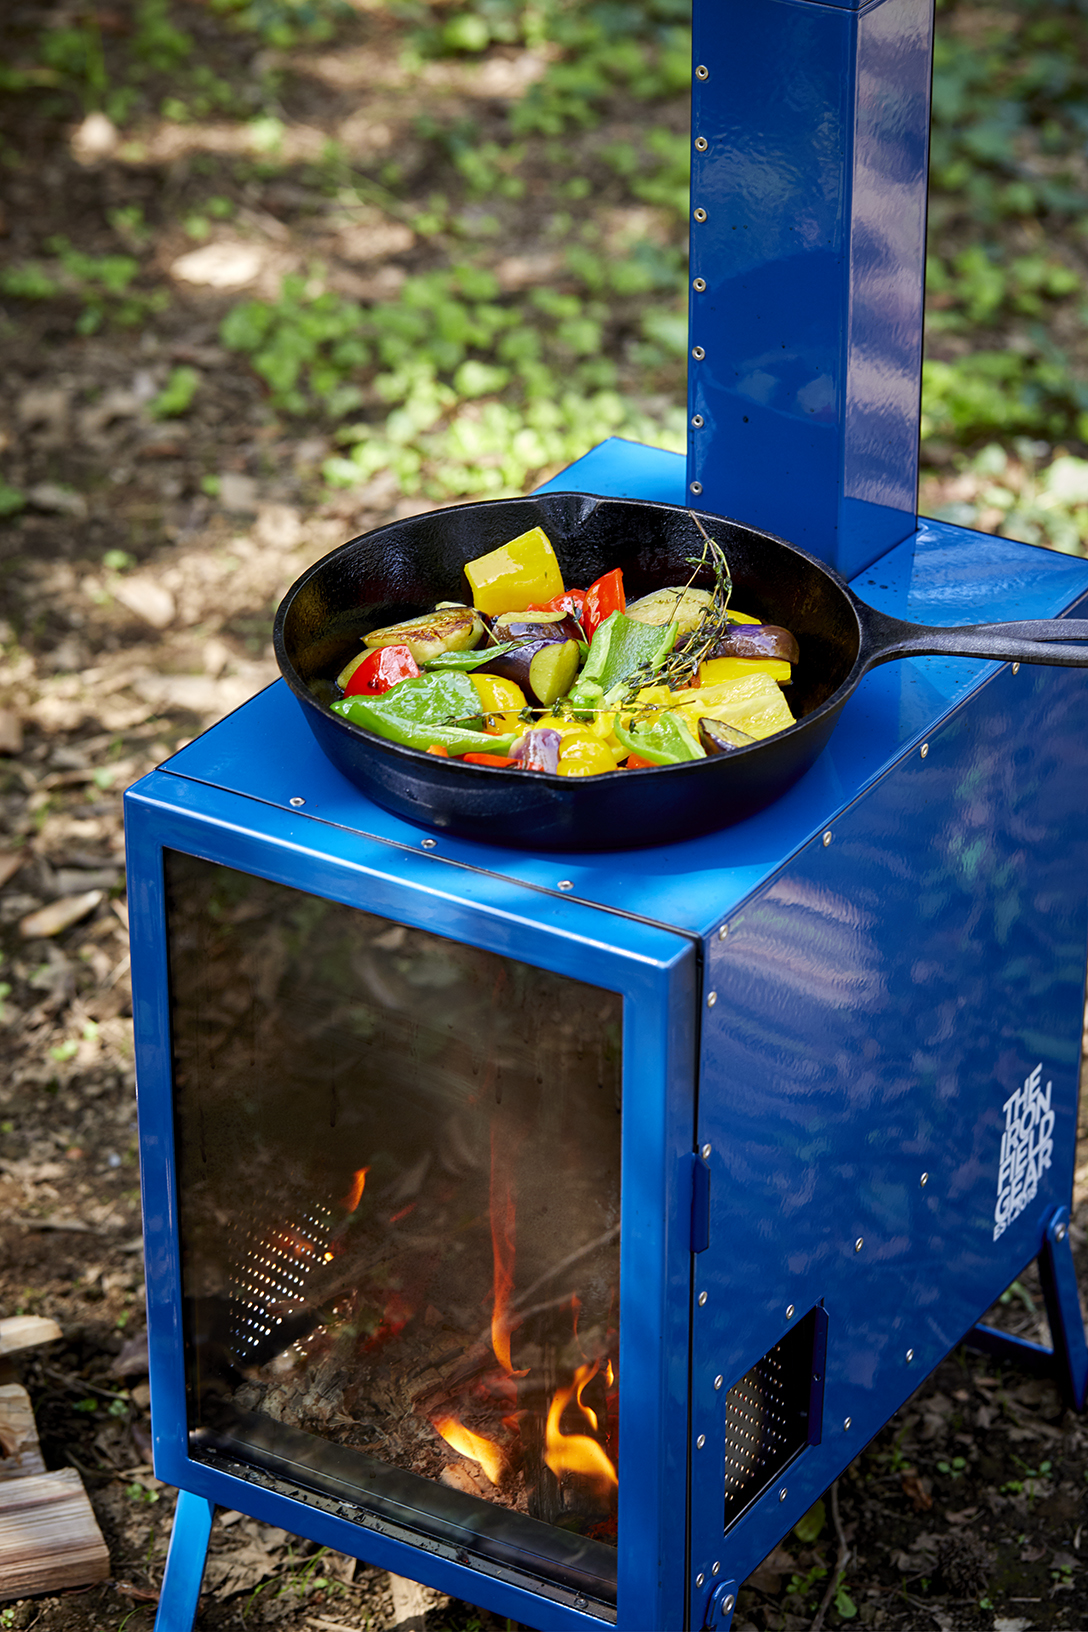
<point x="185" y="1563"/>
<point x="1067" y="1361"/>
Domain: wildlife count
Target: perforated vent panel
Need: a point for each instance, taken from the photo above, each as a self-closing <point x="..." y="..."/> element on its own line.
<point x="767" y="1416"/>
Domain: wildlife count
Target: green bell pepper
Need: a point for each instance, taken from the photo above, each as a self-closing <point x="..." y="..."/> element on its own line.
<point x="619" y="648"/>
<point x="428" y="710"/>
<point x="666" y="739"/>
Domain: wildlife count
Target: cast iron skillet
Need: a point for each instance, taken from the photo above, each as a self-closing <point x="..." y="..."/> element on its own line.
<point x="403" y="569"/>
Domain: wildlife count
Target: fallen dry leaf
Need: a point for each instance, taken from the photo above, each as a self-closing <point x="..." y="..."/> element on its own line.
<point x="59" y="915"/>
<point x="915" y="1490"/>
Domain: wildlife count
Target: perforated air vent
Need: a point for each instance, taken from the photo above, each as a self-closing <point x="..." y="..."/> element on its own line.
<point x="771" y="1413"/>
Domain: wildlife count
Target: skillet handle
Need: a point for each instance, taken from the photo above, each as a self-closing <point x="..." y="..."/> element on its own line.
<point x="1061" y="642"/>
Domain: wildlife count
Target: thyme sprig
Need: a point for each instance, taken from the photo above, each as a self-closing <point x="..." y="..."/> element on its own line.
<point x="681" y="665"/>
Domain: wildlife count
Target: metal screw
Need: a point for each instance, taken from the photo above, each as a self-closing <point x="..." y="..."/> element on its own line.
<point x="701" y="144"/>
<point x="711" y="999"/>
<point x="827" y="838"/>
<point x="924" y="749"/>
<point x="718" y="1381"/>
<point x="696" y="487"/>
<point x="700" y="1442"/>
<point x="698" y="353"/>
<point x="924" y="1180"/>
<point x="566" y="884"/>
<point x="727" y="1604"/>
<point x="790" y="1311"/>
<point x="1016" y="668"/>
<point x="698" y="421"/>
<point x="723" y="932"/>
<point x="699" y="285"/>
<point x="702" y="73"/>
<point x="700" y="213"/>
<point x="782" y="1494"/>
<point x="699" y="1579"/>
<point x="1059" y="1232"/>
<point x="910" y="1356"/>
<point x="715" y="1567"/>
<point x="859" y="1243"/>
<point x="702" y="1299"/>
<point x="428" y="844"/>
<point x="846" y="1421"/>
<point x="297" y="802"/>
<point x="706" y="1152"/>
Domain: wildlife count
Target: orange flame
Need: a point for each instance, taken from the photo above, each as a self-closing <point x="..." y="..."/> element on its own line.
<point x="577" y="1453"/>
<point x="586" y="1410"/>
<point x="482" y="1451"/>
<point x="502" y="1247"/>
<point x="355" y="1194"/>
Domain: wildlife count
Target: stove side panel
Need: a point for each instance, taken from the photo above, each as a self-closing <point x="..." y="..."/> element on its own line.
<point x="888" y="1084"/>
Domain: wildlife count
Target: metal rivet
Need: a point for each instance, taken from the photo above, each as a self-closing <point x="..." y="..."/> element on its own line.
<point x="698" y="421"/>
<point x="711" y="999"/>
<point x="702" y="1299"/>
<point x="1016" y="668"/>
<point x="790" y="1312"/>
<point x="699" y="214"/>
<point x="827" y="838"/>
<point x="910" y="1356"/>
<point x="566" y="884"/>
<point x="718" y="1381"/>
<point x="1059" y="1232"/>
<point x="924" y="1180"/>
<point x="297" y="802"/>
<point x="696" y="487"/>
<point x="723" y="932"/>
<point x="698" y="353"/>
<point x="701" y="72"/>
<point x="727" y="1603"/>
<point x="701" y="144"/>
<point x="699" y="1579"/>
<point x="924" y="749"/>
<point x="699" y="285"/>
<point x="846" y="1421"/>
<point x="782" y="1494"/>
<point x="859" y="1243"/>
<point x="716" y="1566"/>
<point x="706" y="1152"/>
<point x="428" y="844"/>
<point x="700" y="1442"/>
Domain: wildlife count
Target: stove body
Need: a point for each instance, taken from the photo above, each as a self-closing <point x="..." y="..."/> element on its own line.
<point x="838" y="1120"/>
<point x="554" y="1229"/>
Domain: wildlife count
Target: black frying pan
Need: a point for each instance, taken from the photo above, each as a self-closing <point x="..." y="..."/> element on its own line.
<point x="403" y="569"/>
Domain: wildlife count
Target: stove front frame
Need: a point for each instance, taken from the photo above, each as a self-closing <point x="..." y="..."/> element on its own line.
<point x="656" y="973"/>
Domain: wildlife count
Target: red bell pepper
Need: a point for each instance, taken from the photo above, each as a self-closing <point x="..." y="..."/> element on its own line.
<point x="439" y="749"/>
<point x="635" y="762"/>
<point x="385" y="667"/>
<point x="571" y="601"/>
<point x="602" y="599"/>
<point x="501" y="760"/>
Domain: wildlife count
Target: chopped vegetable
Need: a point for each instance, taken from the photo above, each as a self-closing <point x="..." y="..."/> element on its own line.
<point x="504" y="761"/>
<point x="374" y="672"/>
<point x="602" y="599"/>
<point x="467" y="660"/>
<point x="719" y="738"/>
<point x="501" y="701"/>
<point x="666" y="739"/>
<point x="447" y="629"/>
<point x="432" y="708"/>
<point x="684" y="606"/>
<point x="538" y="750"/>
<point x="619" y="650"/>
<point x="717" y="669"/>
<point x="513" y="577"/>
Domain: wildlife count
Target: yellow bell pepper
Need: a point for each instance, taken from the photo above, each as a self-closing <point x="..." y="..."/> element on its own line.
<point x="754" y="704"/>
<point x="501" y="701"/>
<point x="717" y="669"/>
<point x="517" y="575"/>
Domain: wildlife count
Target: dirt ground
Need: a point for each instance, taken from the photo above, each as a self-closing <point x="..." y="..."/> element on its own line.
<point x="137" y="586"/>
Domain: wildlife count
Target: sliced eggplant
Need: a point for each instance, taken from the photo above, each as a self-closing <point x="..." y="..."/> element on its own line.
<point x="683" y="605"/>
<point x="718" y="738"/>
<point x="756" y="640"/>
<point x="545" y="668"/>
<point x="449" y="629"/>
<point x="535" y="626"/>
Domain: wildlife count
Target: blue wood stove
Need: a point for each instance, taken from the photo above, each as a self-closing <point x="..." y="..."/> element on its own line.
<point x="554" y="1229"/>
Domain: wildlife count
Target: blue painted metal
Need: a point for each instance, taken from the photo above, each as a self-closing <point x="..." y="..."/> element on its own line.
<point x="184" y="1563"/>
<point x="1059" y="1277"/>
<point x="808" y="191"/>
<point x="654" y="969"/>
<point x="722" y="1607"/>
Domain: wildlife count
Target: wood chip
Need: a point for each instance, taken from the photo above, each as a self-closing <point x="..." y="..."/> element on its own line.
<point x="10" y="862"/>
<point x="59" y="915"/>
<point x="49" y="1537"/>
<point x="26" y="1332"/>
<point x="20" y="1452"/>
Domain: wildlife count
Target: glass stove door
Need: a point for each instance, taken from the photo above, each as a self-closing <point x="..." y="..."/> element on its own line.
<point x="398" y="1166"/>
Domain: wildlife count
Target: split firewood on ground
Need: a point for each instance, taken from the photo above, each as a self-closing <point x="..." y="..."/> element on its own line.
<point x="49" y="1536"/>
